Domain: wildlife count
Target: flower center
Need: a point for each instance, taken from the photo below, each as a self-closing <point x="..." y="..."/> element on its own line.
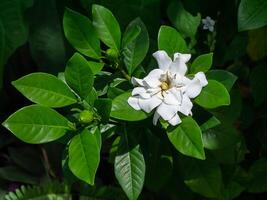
<point x="164" y="85"/>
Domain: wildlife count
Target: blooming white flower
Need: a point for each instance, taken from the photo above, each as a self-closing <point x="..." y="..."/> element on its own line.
<point x="208" y="24"/>
<point x="167" y="89"/>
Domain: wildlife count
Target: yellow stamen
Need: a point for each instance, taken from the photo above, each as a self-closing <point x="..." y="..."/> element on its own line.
<point x="164" y="85"/>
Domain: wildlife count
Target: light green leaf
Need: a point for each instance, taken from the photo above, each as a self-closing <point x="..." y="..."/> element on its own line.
<point x="37" y="124"/>
<point x="224" y="77"/>
<point x="130" y="168"/>
<point x="130" y="34"/>
<point x="122" y="110"/>
<point x="213" y="95"/>
<point x="252" y="14"/>
<point x="202" y="63"/>
<point x="79" y="76"/>
<point x="135" y="51"/>
<point x="187" y="138"/>
<point x="107" y="27"/>
<point x="45" y="89"/>
<point x="203" y="177"/>
<point x="171" y="41"/>
<point x="211" y="123"/>
<point x="84" y="155"/>
<point x="186" y="23"/>
<point x="81" y="34"/>
<point x="95" y="67"/>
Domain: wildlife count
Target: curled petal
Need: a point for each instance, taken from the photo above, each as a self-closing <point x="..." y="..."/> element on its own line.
<point x="137" y="81"/>
<point x="186" y="106"/>
<point x="167" y="111"/>
<point x="149" y="104"/>
<point x="178" y="65"/>
<point x="153" y="78"/>
<point x="175" y="120"/>
<point x="141" y="91"/>
<point x="202" y="78"/>
<point x="163" y="59"/>
<point x="194" y="87"/>
<point x="183" y="57"/>
<point x="173" y="97"/>
<point x="133" y="102"/>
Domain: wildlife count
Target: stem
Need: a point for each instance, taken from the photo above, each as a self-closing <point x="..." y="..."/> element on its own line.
<point x="127" y="76"/>
<point x="47" y="164"/>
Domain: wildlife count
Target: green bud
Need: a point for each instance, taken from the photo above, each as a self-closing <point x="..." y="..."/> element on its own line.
<point x="112" y="54"/>
<point x="86" y="116"/>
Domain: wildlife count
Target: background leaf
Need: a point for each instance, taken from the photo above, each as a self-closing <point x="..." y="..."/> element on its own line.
<point x="202" y="63"/>
<point x="37" y="124"/>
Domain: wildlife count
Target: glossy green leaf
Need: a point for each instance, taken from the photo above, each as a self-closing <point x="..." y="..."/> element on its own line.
<point x="130" y="34"/>
<point x="95" y="67"/>
<point x="37" y="124"/>
<point x="202" y="63"/>
<point x="130" y="168"/>
<point x="81" y="34"/>
<point x="84" y="155"/>
<point x="211" y="123"/>
<point x="122" y="110"/>
<point x="171" y="41"/>
<point x="79" y="76"/>
<point x="224" y="77"/>
<point x="203" y="177"/>
<point x="187" y="138"/>
<point x="252" y="14"/>
<point x="103" y="107"/>
<point x="135" y="51"/>
<point x="45" y="89"/>
<point x="213" y="95"/>
<point x="186" y="23"/>
<point x="107" y="27"/>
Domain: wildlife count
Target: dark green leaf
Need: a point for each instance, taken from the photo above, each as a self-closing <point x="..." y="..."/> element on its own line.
<point x="107" y="27"/>
<point x="45" y="89"/>
<point x="103" y="107"/>
<point x="202" y="63"/>
<point x="79" y="76"/>
<point x="81" y="34"/>
<point x="122" y="110"/>
<point x="135" y="50"/>
<point x="213" y="95"/>
<point x="171" y="41"/>
<point x="187" y="138"/>
<point x="84" y="155"/>
<point x="37" y="124"/>
<point x="211" y="123"/>
<point x="252" y="14"/>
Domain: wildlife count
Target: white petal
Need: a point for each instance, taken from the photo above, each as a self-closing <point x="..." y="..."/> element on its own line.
<point x="156" y="118"/>
<point x="194" y="88"/>
<point x="153" y="78"/>
<point x="141" y="91"/>
<point x="175" y="120"/>
<point x="186" y="106"/>
<point x="178" y="65"/>
<point x="202" y="78"/>
<point x="173" y="97"/>
<point x="163" y="59"/>
<point x="133" y="102"/>
<point x="149" y="104"/>
<point x="167" y="111"/>
<point x="137" y="81"/>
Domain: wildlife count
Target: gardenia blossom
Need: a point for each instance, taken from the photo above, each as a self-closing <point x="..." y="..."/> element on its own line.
<point x="208" y="24"/>
<point x="167" y="89"/>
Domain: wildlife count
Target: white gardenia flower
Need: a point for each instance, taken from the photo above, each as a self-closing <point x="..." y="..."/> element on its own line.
<point x="167" y="89"/>
<point x="208" y="24"/>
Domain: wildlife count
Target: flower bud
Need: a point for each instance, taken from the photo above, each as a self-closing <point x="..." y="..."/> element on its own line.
<point x="86" y="116"/>
<point x="112" y="55"/>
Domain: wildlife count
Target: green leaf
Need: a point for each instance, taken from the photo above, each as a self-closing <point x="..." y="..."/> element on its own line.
<point x="130" y="167"/>
<point x="37" y="124"/>
<point x="258" y="82"/>
<point x="81" y="34"/>
<point x="103" y="107"/>
<point x="213" y="95"/>
<point x="203" y="177"/>
<point x="95" y="67"/>
<point x="79" y="76"/>
<point x="211" y="123"/>
<point x="220" y="137"/>
<point x="122" y="110"/>
<point x="130" y="34"/>
<point x="224" y="77"/>
<point x="187" y="138"/>
<point x="84" y="155"/>
<point x="252" y="14"/>
<point x="171" y="41"/>
<point x="258" y="173"/>
<point x="186" y="23"/>
<point x="107" y="27"/>
<point x="135" y="50"/>
<point x="202" y="63"/>
<point x="45" y="89"/>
